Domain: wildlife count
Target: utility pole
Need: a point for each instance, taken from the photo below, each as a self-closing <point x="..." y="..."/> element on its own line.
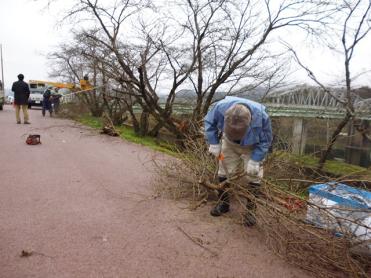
<point x="2" y="66"/>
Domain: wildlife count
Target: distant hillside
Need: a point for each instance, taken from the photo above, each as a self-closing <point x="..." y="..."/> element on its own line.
<point x="256" y="94"/>
<point x="364" y="92"/>
<point x="189" y="96"/>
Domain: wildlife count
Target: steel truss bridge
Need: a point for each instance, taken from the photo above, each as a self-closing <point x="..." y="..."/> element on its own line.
<point x="313" y="102"/>
<point x="298" y="102"/>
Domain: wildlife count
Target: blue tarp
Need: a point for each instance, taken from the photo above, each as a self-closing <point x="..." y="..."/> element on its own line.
<point x="343" y="194"/>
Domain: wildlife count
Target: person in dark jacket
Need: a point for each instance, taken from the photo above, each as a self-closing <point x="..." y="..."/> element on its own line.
<point x="21" y="95"/>
<point x="47" y="101"/>
<point x="55" y="99"/>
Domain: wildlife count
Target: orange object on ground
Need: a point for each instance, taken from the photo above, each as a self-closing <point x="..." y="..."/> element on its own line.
<point x="221" y="156"/>
<point x="293" y="204"/>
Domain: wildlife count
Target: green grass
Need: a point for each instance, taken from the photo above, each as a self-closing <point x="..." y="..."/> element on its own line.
<point x="90" y="121"/>
<point x="128" y="134"/>
<point x="331" y="166"/>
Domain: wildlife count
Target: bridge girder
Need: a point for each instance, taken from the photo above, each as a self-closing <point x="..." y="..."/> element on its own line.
<point x="313" y="96"/>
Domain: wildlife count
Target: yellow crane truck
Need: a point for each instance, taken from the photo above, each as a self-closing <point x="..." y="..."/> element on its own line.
<point x="37" y="88"/>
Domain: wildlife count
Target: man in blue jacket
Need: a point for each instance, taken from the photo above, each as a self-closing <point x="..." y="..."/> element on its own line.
<point x="246" y="137"/>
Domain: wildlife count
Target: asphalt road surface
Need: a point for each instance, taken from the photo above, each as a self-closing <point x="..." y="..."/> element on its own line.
<point x="81" y="205"/>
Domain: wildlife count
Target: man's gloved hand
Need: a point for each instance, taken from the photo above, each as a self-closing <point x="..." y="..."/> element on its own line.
<point x="252" y="168"/>
<point x="215" y="149"/>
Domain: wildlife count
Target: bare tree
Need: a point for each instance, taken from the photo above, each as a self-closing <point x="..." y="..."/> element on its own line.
<point x="79" y="58"/>
<point x="66" y="64"/>
<point x="226" y="43"/>
<point x="354" y="28"/>
<point x="208" y="45"/>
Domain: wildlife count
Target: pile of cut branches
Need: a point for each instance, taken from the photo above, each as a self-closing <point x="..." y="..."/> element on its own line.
<point x="72" y="110"/>
<point x="107" y="126"/>
<point x="282" y="207"/>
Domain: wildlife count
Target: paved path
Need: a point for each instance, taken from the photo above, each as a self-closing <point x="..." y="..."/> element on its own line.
<point x="82" y="203"/>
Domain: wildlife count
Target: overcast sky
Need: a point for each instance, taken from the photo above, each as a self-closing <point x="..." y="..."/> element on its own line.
<point x="28" y="32"/>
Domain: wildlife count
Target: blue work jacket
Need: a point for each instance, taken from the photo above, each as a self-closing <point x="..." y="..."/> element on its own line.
<point x="258" y="135"/>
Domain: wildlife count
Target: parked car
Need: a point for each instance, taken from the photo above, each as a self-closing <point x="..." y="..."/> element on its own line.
<point x="9" y="100"/>
<point x="2" y="99"/>
<point x="2" y="95"/>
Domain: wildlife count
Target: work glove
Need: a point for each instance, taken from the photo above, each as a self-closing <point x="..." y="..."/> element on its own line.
<point x="215" y="150"/>
<point x="252" y="167"/>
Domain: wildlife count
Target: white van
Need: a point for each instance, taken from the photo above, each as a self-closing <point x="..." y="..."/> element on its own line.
<point x="36" y="94"/>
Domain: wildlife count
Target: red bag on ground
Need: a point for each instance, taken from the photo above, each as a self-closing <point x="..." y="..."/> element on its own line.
<point x="33" y="139"/>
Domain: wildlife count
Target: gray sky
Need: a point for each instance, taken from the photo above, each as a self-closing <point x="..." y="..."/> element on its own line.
<point x="28" y="32"/>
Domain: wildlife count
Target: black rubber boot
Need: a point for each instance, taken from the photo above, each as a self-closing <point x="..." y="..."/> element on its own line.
<point x="249" y="217"/>
<point x="223" y="204"/>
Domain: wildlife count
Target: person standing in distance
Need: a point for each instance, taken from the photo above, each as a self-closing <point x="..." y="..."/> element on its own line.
<point x="56" y="96"/>
<point x="47" y="101"/>
<point x="246" y="137"/>
<point x="21" y="95"/>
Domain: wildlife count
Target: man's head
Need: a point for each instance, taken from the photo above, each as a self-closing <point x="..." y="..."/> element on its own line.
<point x="20" y="76"/>
<point x="237" y="120"/>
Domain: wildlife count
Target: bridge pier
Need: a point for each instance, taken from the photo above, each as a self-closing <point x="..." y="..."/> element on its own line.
<point x="359" y="143"/>
<point x="299" y="136"/>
